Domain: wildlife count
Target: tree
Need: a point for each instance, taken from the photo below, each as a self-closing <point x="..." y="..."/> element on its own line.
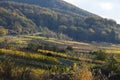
<point x="112" y="67"/>
<point x="83" y="74"/>
<point x="69" y="48"/>
<point x="3" y="31"/>
<point x="100" y="55"/>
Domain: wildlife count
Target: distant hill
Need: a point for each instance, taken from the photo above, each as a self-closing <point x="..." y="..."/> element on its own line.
<point x="58" y="17"/>
<point x="58" y="5"/>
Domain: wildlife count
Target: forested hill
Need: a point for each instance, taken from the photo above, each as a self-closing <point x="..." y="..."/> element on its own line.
<point x="56" y="16"/>
<point x="58" y="5"/>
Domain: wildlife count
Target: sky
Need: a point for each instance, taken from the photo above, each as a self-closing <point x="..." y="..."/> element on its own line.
<point x="105" y="8"/>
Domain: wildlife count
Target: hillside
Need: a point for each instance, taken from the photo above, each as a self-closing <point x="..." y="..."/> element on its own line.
<point x="54" y="40"/>
<point x="61" y="17"/>
<point x="35" y="57"/>
<point x="58" y="5"/>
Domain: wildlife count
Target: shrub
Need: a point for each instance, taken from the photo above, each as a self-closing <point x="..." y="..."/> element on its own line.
<point x="62" y="76"/>
<point x="6" y="70"/>
<point x="82" y="74"/>
<point x="3" y="31"/>
<point x="99" y="75"/>
<point x="45" y="76"/>
<point x="9" y="71"/>
<point x="100" y="55"/>
<point x="69" y="48"/>
<point x="33" y="46"/>
<point x="113" y="68"/>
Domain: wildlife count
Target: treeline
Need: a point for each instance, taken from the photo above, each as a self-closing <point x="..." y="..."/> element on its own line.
<point x="57" y="5"/>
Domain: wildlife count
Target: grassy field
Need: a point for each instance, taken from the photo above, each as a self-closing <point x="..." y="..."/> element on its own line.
<point x="80" y="47"/>
<point x="36" y="57"/>
<point x="48" y="55"/>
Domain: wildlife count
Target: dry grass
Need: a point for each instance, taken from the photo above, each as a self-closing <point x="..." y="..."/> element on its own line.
<point x="29" y="55"/>
<point x="62" y="55"/>
<point x="112" y="51"/>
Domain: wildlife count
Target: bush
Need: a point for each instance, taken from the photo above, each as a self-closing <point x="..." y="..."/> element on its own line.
<point x="113" y="68"/>
<point x="99" y="75"/>
<point x="3" y="31"/>
<point x="33" y="46"/>
<point x="82" y="74"/>
<point x="100" y="55"/>
<point x="62" y="76"/>
<point x="69" y="48"/>
<point x="8" y="71"/>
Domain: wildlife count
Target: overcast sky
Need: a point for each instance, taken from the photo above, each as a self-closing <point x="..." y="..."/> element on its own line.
<point x="105" y="8"/>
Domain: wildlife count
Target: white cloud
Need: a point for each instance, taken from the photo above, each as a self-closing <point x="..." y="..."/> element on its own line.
<point x="106" y="6"/>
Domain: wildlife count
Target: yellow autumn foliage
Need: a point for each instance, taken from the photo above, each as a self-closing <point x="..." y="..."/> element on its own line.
<point x="83" y="74"/>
